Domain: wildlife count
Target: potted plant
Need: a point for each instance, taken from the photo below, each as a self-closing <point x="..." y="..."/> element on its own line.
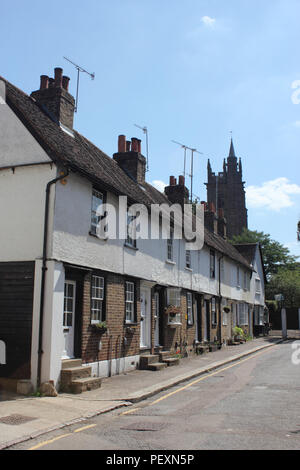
<point x="238" y="334"/>
<point x="173" y="316"/>
<point x="100" y="327"/>
<point x="129" y="330"/>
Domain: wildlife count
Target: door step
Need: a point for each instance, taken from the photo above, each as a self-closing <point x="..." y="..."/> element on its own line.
<point x="68" y="363"/>
<point x="158" y="361"/>
<point x="171" y="361"/>
<point x="78" y="378"/>
<point x="85" y="385"/>
<point x="157" y="366"/>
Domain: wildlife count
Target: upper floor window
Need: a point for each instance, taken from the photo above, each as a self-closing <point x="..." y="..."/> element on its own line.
<point x="188" y="260"/>
<point x="129" y="302"/>
<point x="170" y="241"/>
<point x="245" y="281"/>
<point x="131" y="229"/>
<point x="97" y="201"/>
<point x="189" y="302"/>
<point x="238" y="281"/>
<point x="97" y="299"/>
<point x="257" y="286"/>
<point x="212" y="264"/>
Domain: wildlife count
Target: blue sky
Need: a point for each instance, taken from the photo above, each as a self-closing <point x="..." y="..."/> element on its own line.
<point x="191" y="71"/>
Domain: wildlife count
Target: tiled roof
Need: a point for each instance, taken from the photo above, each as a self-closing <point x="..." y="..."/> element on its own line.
<point x="79" y="154"/>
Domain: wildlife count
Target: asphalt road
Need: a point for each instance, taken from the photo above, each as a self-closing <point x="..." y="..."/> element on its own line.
<point x="252" y="404"/>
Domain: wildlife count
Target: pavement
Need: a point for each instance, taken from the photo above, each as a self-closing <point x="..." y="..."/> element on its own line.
<point x="25" y="418"/>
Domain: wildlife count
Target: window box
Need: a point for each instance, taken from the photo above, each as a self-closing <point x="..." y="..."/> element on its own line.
<point x="100" y="327"/>
<point x="129" y="330"/>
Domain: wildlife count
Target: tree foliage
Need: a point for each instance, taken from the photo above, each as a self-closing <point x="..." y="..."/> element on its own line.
<point x="286" y="282"/>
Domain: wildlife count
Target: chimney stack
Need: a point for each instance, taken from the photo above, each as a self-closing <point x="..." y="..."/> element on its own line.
<point x="177" y="193"/>
<point x="130" y="158"/>
<point x="210" y="217"/>
<point x="55" y="97"/>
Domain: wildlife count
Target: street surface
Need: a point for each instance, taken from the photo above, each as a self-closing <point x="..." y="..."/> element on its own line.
<point x="251" y="404"/>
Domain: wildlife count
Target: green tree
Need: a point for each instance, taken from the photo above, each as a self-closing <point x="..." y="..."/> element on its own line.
<point x="275" y="255"/>
<point x="286" y="282"/>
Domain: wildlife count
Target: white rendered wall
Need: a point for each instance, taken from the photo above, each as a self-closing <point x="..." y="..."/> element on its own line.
<point x="17" y="146"/>
<point x="22" y="208"/>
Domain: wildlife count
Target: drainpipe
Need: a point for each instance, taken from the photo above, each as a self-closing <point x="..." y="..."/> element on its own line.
<point x="44" y="269"/>
<point x="220" y="304"/>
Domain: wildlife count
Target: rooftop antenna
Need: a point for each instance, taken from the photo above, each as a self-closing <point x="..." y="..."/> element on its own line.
<point x="145" y="130"/>
<point x="79" y="69"/>
<point x="185" y="149"/>
<point x="192" y="169"/>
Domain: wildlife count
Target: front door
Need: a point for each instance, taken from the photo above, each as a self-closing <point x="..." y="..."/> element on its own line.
<point x="145" y="341"/>
<point x="69" y="319"/>
<point x="198" y="318"/>
<point x="206" y="335"/>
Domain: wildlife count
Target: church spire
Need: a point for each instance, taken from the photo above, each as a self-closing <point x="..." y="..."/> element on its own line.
<point x="231" y="151"/>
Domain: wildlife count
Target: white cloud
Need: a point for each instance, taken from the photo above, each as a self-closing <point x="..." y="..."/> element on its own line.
<point x="208" y="21"/>
<point x="297" y="124"/>
<point x="160" y="185"/>
<point x="272" y="195"/>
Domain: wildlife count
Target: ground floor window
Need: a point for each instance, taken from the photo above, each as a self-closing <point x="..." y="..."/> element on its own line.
<point x="97" y="299"/>
<point x="225" y="312"/>
<point x="213" y="312"/>
<point x="243" y="314"/>
<point x="129" y="302"/>
<point x="189" y="303"/>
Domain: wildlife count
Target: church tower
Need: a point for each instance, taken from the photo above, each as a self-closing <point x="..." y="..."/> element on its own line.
<point x="226" y="191"/>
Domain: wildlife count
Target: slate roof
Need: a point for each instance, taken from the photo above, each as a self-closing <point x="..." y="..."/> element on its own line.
<point x="80" y="155"/>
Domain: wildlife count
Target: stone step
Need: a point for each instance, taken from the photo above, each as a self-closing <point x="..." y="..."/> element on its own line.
<point x="164" y="355"/>
<point x="85" y="384"/>
<point x="69" y="363"/>
<point x="157" y="366"/>
<point x="148" y="359"/>
<point x="67" y="376"/>
<point x="202" y="349"/>
<point x="171" y="361"/>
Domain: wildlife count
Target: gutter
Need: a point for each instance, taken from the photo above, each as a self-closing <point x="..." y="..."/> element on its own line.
<point x="44" y="269"/>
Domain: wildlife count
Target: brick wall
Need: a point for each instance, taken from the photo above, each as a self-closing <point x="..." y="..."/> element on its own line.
<point x="112" y="342"/>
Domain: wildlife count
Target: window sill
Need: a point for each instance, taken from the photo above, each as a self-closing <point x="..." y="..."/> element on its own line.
<point x="131" y="247"/>
<point x="104" y="239"/>
<point x="126" y="324"/>
<point x="168" y="261"/>
<point x="188" y="269"/>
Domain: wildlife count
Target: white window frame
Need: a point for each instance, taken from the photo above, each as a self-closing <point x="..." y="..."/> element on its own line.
<point x="188" y="259"/>
<point x="174" y="299"/>
<point x="131" y="229"/>
<point x="224" y="314"/>
<point x="238" y="280"/>
<point x="212" y="264"/>
<point x="67" y="312"/>
<point x="257" y="286"/>
<point x="189" y="306"/>
<point x="129" y="302"/>
<point x="170" y="247"/>
<point x="97" y="299"/>
<point x="214" y="320"/>
<point x="95" y="219"/>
